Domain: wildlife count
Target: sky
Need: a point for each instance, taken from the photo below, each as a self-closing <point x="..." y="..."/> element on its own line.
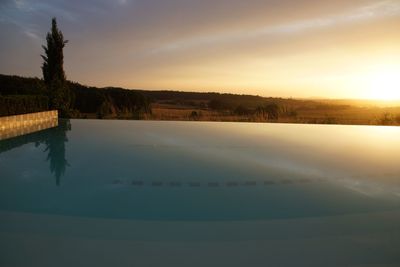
<point x="284" y="48"/>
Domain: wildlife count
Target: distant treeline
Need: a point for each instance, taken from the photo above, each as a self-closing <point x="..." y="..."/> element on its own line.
<point x="19" y="95"/>
<point x="110" y="101"/>
<point x="211" y="100"/>
<point x="241" y="104"/>
<point x="257" y="107"/>
<point x="23" y="95"/>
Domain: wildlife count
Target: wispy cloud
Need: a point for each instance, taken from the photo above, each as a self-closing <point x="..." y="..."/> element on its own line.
<point x="33" y="35"/>
<point x="49" y="10"/>
<point x="20" y="4"/>
<point x="10" y="17"/>
<point x="122" y="2"/>
<point x="23" y="14"/>
<point x="373" y="11"/>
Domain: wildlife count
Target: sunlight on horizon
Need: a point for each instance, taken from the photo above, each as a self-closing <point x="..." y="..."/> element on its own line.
<point x="384" y="83"/>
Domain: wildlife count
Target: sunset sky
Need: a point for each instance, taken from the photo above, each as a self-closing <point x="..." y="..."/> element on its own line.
<point x="287" y="48"/>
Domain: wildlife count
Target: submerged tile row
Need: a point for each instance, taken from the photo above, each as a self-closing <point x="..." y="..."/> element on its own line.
<point x="229" y="184"/>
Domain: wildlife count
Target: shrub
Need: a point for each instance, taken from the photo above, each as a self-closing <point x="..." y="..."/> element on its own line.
<point x="194" y="115"/>
<point x="22" y="104"/>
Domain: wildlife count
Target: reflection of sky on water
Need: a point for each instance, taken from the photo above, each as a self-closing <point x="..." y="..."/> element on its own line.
<point x="53" y="139"/>
<point x="201" y="171"/>
<point x="362" y="158"/>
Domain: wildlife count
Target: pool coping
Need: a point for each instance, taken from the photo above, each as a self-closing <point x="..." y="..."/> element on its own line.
<point x="17" y="125"/>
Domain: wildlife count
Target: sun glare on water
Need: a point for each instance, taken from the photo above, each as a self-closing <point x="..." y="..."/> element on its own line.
<point x="383" y="83"/>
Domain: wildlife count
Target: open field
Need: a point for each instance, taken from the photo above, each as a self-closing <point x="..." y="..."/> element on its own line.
<point x="318" y="113"/>
<point x="349" y="115"/>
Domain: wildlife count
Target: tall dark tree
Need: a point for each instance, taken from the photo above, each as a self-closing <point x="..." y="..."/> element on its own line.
<point x="53" y="71"/>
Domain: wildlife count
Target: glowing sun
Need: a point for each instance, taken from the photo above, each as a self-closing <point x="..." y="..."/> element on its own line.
<point x="383" y="83"/>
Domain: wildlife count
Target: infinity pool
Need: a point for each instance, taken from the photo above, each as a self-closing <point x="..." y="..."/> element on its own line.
<point x="139" y="193"/>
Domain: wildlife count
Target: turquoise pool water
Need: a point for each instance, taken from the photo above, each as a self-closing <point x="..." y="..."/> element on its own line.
<point x="200" y="194"/>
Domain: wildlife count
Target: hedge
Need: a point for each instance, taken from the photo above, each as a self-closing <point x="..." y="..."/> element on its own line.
<point x="22" y="104"/>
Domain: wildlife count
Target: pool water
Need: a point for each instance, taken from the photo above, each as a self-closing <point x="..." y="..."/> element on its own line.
<point x="140" y="193"/>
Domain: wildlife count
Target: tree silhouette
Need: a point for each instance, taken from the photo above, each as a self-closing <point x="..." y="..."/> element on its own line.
<point x="53" y="71"/>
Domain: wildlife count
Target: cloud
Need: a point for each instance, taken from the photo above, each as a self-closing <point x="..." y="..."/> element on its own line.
<point x="49" y="10"/>
<point x="32" y="35"/>
<point x="360" y="14"/>
<point x="20" y="4"/>
<point x="122" y="2"/>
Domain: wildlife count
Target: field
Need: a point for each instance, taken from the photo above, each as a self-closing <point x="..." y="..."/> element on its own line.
<point x="290" y="111"/>
<point x="319" y="112"/>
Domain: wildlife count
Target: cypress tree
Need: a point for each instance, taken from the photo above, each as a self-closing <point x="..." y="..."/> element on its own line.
<point x="53" y="71"/>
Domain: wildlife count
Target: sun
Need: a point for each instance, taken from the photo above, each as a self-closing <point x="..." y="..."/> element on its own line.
<point x="383" y="83"/>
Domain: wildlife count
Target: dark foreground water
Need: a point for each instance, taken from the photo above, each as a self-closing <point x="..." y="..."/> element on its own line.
<point x="132" y="193"/>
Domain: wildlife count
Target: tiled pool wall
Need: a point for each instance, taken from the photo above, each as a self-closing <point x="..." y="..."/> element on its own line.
<point x="12" y="126"/>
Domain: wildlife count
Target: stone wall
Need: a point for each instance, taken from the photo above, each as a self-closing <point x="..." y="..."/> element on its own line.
<point x="12" y="126"/>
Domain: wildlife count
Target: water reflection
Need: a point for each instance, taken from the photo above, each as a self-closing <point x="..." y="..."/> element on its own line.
<point x="55" y="146"/>
<point x="54" y="140"/>
<point x="200" y="171"/>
